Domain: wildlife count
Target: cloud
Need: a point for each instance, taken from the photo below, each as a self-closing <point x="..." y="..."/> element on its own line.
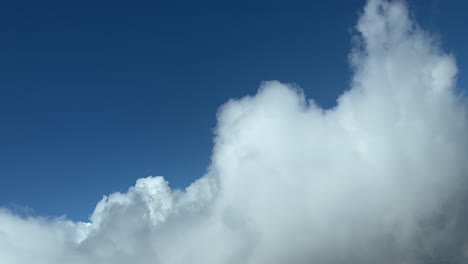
<point x="380" y="178"/>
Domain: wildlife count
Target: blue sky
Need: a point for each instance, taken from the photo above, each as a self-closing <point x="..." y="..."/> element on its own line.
<point x="93" y="97"/>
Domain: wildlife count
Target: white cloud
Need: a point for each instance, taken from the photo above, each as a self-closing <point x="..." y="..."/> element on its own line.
<point x="381" y="178"/>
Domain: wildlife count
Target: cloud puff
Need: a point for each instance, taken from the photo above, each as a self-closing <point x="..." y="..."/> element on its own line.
<point x="380" y="178"/>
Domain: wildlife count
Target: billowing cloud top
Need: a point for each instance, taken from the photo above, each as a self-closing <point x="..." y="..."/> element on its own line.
<point x="381" y="178"/>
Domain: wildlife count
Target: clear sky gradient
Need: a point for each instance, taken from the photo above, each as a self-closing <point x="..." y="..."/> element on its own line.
<point x="94" y="96"/>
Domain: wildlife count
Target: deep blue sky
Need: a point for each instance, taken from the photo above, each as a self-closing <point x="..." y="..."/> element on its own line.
<point x="94" y="96"/>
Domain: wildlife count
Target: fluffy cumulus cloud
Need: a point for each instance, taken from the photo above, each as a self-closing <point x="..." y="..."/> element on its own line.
<point x="380" y="178"/>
